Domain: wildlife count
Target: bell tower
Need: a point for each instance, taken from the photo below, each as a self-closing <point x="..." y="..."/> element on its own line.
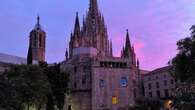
<point x="36" y="51"/>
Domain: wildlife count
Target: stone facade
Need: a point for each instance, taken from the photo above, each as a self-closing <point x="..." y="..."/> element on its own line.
<point x="98" y="80"/>
<point x="159" y="84"/>
<point x="36" y="51"/>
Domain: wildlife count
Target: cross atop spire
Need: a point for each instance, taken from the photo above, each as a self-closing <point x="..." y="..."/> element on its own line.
<point x="38" y="19"/>
<point x="38" y="26"/>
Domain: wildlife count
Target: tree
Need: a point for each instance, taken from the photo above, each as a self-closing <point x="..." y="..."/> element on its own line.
<point x="183" y="69"/>
<point x="184" y="62"/>
<point x="23" y="86"/>
<point x="59" y="83"/>
<point x="27" y="85"/>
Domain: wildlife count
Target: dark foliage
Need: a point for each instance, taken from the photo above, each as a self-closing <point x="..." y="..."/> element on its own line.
<point x="184" y="62"/>
<point x="33" y="85"/>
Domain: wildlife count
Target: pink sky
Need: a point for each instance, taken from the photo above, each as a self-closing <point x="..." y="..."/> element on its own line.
<point x="154" y="26"/>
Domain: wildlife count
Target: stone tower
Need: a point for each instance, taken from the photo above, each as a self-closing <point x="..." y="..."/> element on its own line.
<point x="36" y="51"/>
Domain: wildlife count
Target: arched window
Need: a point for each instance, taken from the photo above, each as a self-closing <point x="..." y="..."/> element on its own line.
<point x="124" y="81"/>
<point x="102" y="83"/>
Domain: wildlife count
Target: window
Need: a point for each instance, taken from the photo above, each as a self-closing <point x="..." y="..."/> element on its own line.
<point x="121" y="65"/>
<point x="124" y="81"/>
<point x="102" y="83"/>
<point x="75" y="69"/>
<point x="157" y="84"/>
<point x="114" y="100"/>
<point x="113" y="64"/>
<point x="84" y="78"/>
<point x="86" y="69"/>
<point x="101" y="64"/>
<point x="150" y="94"/>
<point x="125" y="64"/>
<point x="134" y="92"/>
<point x="75" y="85"/>
<point x="172" y="81"/>
<point x="166" y="91"/>
<point x="40" y="40"/>
<point x="165" y="82"/>
<point x="110" y="64"/>
<point x="105" y="64"/>
<point x="149" y="86"/>
<point x="158" y="94"/>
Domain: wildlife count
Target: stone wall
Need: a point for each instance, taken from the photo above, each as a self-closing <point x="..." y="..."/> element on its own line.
<point x="112" y="88"/>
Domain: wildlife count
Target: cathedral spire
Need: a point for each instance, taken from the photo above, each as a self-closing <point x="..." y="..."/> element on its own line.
<point x="93" y="8"/>
<point x="77" y="26"/>
<point x="128" y="48"/>
<point x="128" y="43"/>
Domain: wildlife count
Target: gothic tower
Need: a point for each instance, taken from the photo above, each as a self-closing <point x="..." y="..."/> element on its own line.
<point x="128" y="51"/>
<point x="93" y="32"/>
<point x="36" y="51"/>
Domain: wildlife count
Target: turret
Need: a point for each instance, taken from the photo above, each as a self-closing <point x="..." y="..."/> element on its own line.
<point x="128" y="51"/>
<point x="66" y="54"/>
<point x="77" y="26"/>
<point x="138" y="63"/>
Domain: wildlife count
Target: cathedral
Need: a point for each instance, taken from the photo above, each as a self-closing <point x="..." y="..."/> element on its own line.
<point x="98" y="80"/>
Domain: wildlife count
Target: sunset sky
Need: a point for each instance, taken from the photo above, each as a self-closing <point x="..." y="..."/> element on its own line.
<point x="154" y="26"/>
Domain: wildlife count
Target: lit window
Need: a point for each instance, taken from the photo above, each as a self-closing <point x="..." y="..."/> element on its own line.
<point x="114" y="100"/>
<point x="102" y="83"/>
<point x="124" y="81"/>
